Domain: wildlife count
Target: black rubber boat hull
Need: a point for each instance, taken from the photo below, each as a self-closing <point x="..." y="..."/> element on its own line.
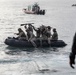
<point x="20" y="43"/>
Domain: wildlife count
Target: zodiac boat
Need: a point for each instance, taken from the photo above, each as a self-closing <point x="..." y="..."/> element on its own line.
<point x="24" y="43"/>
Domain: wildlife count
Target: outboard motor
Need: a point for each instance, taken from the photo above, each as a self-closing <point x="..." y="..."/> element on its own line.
<point x="40" y="12"/>
<point x="43" y="12"/>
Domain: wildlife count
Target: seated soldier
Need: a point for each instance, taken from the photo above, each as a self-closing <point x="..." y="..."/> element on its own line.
<point x="55" y="35"/>
<point x="21" y="34"/>
<point x="48" y="34"/>
<point x="43" y="30"/>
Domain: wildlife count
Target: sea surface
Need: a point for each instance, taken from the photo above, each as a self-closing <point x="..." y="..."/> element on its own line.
<point x="37" y="61"/>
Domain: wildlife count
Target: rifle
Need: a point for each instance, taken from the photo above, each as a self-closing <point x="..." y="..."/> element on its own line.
<point x="27" y="24"/>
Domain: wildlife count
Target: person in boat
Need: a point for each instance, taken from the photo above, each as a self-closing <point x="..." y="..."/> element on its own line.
<point x="30" y="35"/>
<point x="37" y="32"/>
<point x="36" y="8"/>
<point x="73" y="52"/>
<point x="48" y="34"/>
<point x="29" y="8"/>
<point x="43" y="30"/>
<point x="55" y="35"/>
<point x="21" y="34"/>
<point x="29" y="31"/>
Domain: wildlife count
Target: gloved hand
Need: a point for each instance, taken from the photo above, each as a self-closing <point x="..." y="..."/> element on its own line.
<point x="72" y="60"/>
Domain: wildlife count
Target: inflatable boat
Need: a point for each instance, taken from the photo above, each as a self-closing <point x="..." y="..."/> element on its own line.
<point x="24" y="43"/>
<point x="74" y="5"/>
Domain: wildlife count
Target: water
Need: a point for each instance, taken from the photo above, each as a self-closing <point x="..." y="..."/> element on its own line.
<point x="30" y="61"/>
